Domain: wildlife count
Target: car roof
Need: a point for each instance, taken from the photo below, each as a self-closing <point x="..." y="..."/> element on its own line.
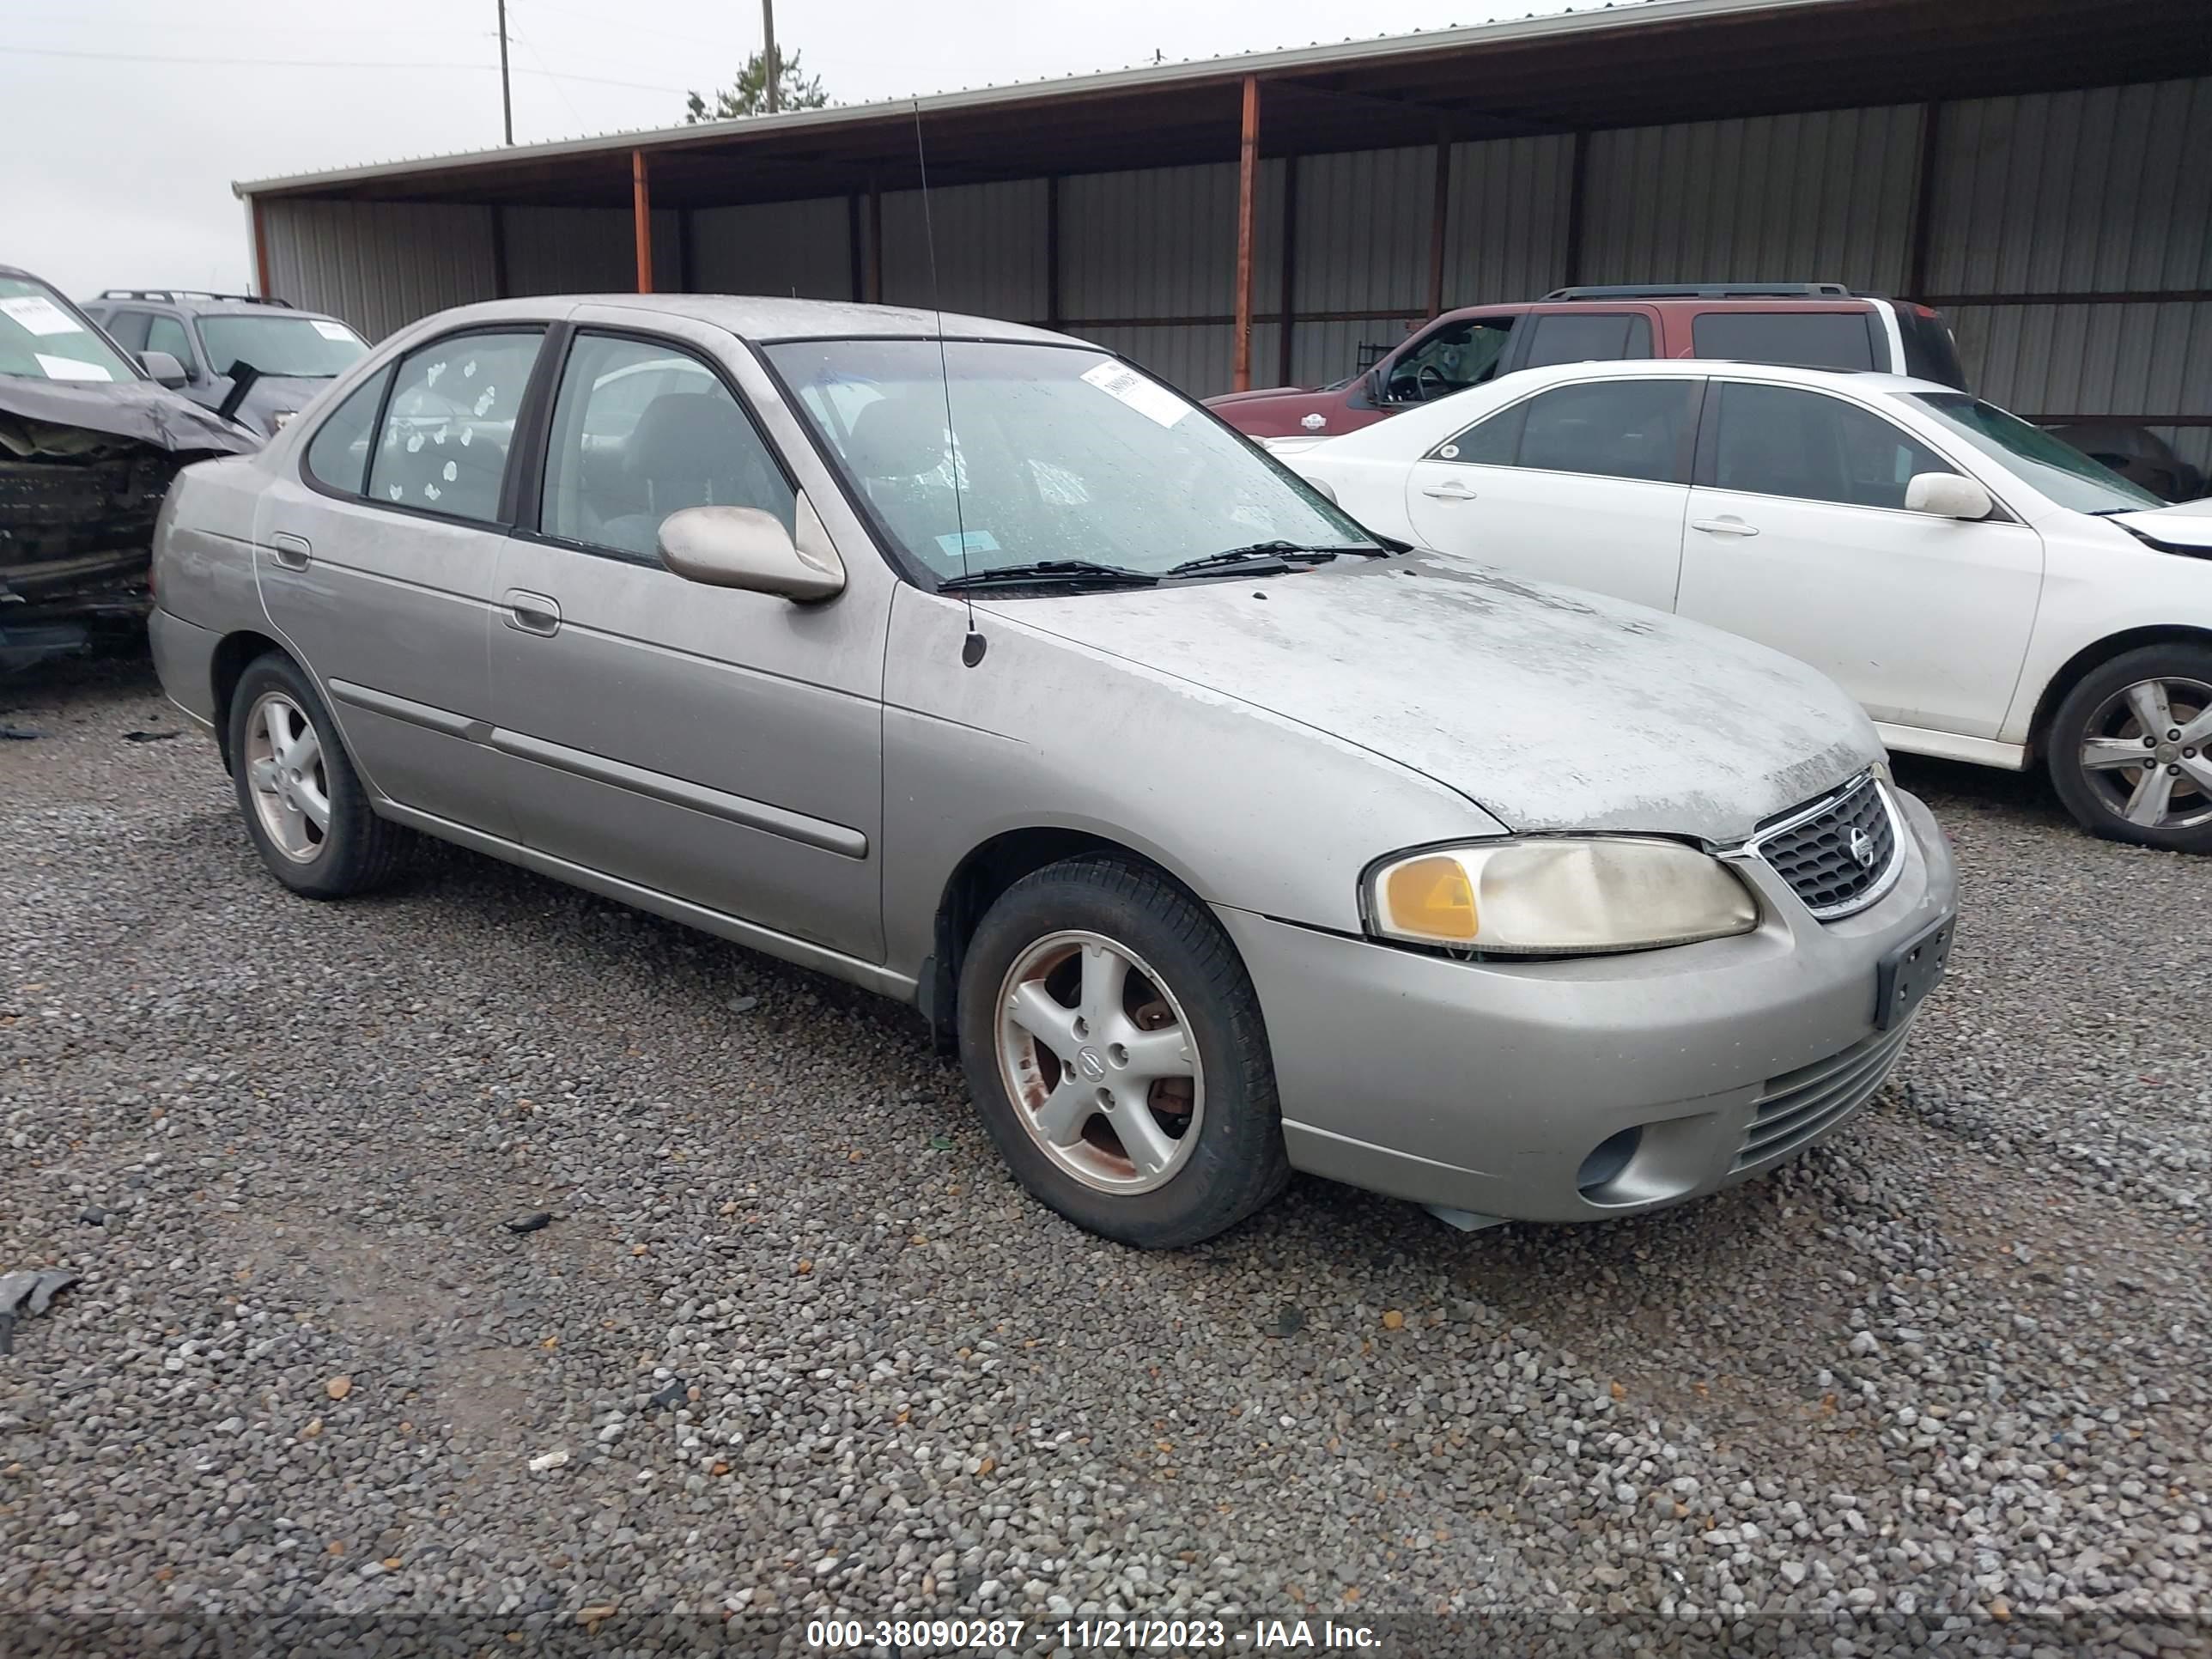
<point x="762" y="319"/>
<point x="1834" y="379"/>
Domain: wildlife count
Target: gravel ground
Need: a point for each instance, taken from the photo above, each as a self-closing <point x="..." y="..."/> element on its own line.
<point x="805" y="1350"/>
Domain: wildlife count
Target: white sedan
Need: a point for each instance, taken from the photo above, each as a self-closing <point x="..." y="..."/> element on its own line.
<point x="1988" y="592"/>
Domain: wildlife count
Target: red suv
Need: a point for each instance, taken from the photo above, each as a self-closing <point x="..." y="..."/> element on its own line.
<point x="1808" y="325"/>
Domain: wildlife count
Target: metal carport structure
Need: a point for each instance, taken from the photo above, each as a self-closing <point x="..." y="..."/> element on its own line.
<point x="2035" y="167"/>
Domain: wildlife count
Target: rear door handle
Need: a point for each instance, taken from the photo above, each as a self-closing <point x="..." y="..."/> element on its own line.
<point x="290" y="551"/>
<point x="1454" y="491"/>
<point x="1724" y="526"/>
<point x="532" y="613"/>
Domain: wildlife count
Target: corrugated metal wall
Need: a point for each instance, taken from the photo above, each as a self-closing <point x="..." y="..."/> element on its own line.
<point x="2104" y="191"/>
<point x="583" y="250"/>
<point x="2051" y="195"/>
<point x="798" y="248"/>
<point x="1822" y="197"/>
<point x="378" y="264"/>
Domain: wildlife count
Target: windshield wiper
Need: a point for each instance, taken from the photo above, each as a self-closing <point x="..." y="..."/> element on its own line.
<point x="1059" y="573"/>
<point x="1261" y="556"/>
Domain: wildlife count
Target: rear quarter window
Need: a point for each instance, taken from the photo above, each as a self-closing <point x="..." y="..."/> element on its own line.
<point x="1801" y="339"/>
<point x="1931" y="353"/>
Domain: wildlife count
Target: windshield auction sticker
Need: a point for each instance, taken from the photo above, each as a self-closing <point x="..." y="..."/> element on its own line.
<point x="40" y="315"/>
<point x="338" y="331"/>
<point x="1153" y="402"/>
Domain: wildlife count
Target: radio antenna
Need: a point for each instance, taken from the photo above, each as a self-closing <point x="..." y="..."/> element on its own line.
<point x="971" y="648"/>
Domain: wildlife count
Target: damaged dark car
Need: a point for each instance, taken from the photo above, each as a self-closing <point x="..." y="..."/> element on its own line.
<point x="89" y="444"/>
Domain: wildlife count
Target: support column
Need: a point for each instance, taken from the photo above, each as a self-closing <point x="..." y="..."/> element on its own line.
<point x="499" y="283"/>
<point x="260" y="252"/>
<point x="1923" y="202"/>
<point x="640" y="208"/>
<point x="875" y="240"/>
<point x="1290" y="301"/>
<point x="1577" y="177"/>
<point x="1052" y="251"/>
<point x="859" y="274"/>
<point x="1247" y="189"/>
<point x="1439" y="211"/>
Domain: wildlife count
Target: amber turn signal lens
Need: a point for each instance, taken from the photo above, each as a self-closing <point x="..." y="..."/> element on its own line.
<point x="1431" y="897"/>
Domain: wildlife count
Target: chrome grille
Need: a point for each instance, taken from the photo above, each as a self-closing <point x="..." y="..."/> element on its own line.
<point x="1840" y="853"/>
<point x="1798" y="1106"/>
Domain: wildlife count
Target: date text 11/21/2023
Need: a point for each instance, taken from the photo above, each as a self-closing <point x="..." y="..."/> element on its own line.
<point x="1128" y="1635"/>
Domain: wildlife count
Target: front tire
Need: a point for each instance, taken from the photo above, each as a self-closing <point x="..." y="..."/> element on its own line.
<point x="1115" y="1047"/>
<point x="306" y="810"/>
<point x="2130" y="748"/>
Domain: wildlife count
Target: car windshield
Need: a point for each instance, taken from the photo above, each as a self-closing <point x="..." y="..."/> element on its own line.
<point x="1061" y="454"/>
<point x="290" y="348"/>
<point x="43" y="337"/>
<point x="2052" y="464"/>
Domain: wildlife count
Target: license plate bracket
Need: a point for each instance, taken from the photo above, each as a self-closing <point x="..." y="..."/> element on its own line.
<point x="1909" y="972"/>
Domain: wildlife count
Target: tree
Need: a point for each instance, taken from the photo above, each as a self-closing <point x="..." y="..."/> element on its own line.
<point x="793" y="90"/>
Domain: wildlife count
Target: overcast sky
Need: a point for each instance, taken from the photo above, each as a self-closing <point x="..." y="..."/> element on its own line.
<point x="131" y="118"/>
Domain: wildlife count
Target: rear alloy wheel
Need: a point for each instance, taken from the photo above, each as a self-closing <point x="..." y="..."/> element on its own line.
<point x="2131" y="748"/>
<point x="1113" y="1042"/>
<point x="305" y="808"/>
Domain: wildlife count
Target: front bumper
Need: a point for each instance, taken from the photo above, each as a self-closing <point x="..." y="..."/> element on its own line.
<point x="1484" y="1086"/>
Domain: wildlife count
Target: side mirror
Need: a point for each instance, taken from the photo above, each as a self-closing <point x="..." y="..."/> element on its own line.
<point x="1321" y="487"/>
<point x="166" y="369"/>
<point x="744" y="547"/>
<point x="1947" y="495"/>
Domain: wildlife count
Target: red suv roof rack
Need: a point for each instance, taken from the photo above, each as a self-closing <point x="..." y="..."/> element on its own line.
<point x="1706" y="291"/>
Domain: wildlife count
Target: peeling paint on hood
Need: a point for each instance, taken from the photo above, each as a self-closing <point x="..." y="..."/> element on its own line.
<point x="1552" y="708"/>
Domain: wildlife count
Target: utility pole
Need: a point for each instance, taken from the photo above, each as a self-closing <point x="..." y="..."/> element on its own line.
<point x="768" y="54"/>
<point x="506" y="97"/>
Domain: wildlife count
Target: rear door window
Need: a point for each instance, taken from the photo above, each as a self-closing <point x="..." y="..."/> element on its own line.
<point x="1784" y="441"/>
<point x="1588" y="336"/>
<point x="1802" y="340"/>
<point x="444" y="442"/>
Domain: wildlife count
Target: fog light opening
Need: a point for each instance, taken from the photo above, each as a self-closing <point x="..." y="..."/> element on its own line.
<point x="1608" y="1159"/>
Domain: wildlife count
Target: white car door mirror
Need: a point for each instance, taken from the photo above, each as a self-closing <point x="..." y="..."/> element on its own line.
<point x="1322" y="487"/>
<point x="1947" y="496"/>
<point x="744" y="547"/>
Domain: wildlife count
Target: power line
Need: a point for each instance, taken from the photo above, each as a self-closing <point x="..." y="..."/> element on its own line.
<point x="316" y="63"/>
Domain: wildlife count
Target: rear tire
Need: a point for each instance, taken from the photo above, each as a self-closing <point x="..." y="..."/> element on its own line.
<point x="1146" y="1111"/>
<point x="2129" y="749"/>
<point x="305" y="808"/>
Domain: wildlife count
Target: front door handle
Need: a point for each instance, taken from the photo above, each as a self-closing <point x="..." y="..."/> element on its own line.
<point x="290" y="551"/>
<point x="1454" y="491"/>
<point x="532" y="613"/>
<point x="1728" y="526"/>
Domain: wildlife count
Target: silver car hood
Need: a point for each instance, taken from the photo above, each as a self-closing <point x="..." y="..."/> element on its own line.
<point x="1551" y="708"/>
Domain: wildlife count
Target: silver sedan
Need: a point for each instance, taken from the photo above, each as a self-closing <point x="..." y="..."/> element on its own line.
<point x="967" y="663"/>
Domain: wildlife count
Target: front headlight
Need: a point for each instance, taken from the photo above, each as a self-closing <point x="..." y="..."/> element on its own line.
<point x="1550" y="896"/>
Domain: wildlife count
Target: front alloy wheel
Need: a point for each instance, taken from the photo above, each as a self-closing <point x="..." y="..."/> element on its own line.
<point x="1114" y="1048"/>
<point x="2131" y="748"/>
<point x="1095" y="1055"/>
<point x="2148" y="753"/>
